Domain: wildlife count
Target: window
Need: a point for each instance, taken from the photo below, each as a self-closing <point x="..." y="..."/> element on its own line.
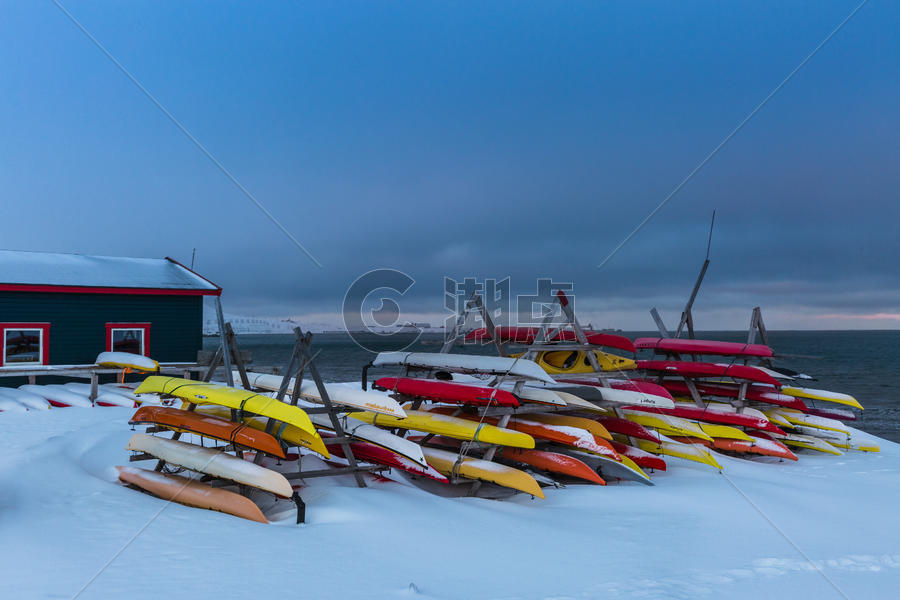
<point x="24" y="344"/>
<point x="133" y="338"/>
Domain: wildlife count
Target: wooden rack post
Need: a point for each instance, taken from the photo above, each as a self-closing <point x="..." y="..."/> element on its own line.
<point x="227" y="354"/>
<point x="475" y="301"/>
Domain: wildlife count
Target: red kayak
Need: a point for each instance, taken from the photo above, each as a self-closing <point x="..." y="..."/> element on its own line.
<point x="629" y="428"/>
<point x="631" y="385"/>
<point x="679" y="346"/>
<point x="641" y="458"/>
<point x="447" y="392"/>
<point x="703" y="369"/>
<point x="711" y="415"/>
<point x="371" y="453"/>
<point x="833" y="413"/>
<point x="527" y="335"/>
<point x="754" y="393"/>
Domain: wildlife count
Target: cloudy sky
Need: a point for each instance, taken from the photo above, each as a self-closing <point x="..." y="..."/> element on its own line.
<point x="486" y="140"/>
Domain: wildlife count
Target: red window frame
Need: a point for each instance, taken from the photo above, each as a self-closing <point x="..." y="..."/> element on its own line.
<point x="143" y="326"/>
<point x="45" y="340"/>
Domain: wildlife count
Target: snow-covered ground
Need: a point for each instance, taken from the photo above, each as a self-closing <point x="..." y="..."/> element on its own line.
<point x="826" y="527"/>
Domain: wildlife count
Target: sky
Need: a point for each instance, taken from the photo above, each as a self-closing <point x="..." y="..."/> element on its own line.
<point x="486" y="140"/>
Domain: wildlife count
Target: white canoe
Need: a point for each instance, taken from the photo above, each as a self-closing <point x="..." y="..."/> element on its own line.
<point x="27" y="399"/>
<point x="58" y="394"/>
<point x="464" y="363"/>
<point x="338" y="394"/>
<point x="376" y="436"/>
<point x="211" y="462"/>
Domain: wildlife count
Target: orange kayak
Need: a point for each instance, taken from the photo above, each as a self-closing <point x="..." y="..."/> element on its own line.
<point x="589" y="424"/>
<point x="191" y="493"/>
<point x="209" y="426"/>
<point x="761" y="446"/>
<point x="552" y="462"/>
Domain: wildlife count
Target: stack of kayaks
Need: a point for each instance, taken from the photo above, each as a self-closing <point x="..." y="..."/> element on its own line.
<point x="777" y="415"/>
<point x="520" y="432"/>
<point x="216" y="463"/>
<point x="495" y="425"/>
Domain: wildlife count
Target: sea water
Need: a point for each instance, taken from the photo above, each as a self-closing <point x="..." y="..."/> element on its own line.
<point x="864" y="364"/>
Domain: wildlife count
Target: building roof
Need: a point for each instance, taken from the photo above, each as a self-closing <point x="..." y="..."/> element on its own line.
<point x="79" y="273"/>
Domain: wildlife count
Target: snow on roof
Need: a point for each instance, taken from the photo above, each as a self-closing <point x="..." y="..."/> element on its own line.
<point x="47" y="268"/>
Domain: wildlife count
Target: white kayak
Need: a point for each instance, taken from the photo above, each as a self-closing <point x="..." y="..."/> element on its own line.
<point x="211" y="462"/>
<point x="58" y="395"/>
<point x="338" y="393"/>
<point x="813" y="421"/>
<point x="609" y="396"/>
<point x="7" y="404"/>
<point x="464" y="363"/>
<point x="375" y="436"/>
<point x="124" y="390"/>
<point x="27" y="399"/>
<point x="103" y="398"/>
<point x="126" y="360"/>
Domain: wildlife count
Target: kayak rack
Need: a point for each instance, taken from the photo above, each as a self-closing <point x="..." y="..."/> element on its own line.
<point x="541" y="342"/>
<point x="302" y="360"/>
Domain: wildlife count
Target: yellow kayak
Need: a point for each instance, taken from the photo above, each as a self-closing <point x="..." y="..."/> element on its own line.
<point x="724" y="431"/>
<point x="454" y="427"/>
<point x="288" y="433"/>
<point x="775" y="417"/>
<point x="199" y="392"/>
<point x="475" y="468"/>
<point x="795" y="417"/>
<point x="850" y="445"/>
<point x="692" y="452"/>
<point x="633" y="466"/>
<point x="590" y="425"/>
<point x="809" y="442"/>
<point x="667" y="424"/>
<point x="823" y="395"/>
<point x="576" y="361"/>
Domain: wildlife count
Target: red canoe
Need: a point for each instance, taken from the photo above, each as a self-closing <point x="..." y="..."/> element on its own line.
<point x="631" y="385"/>
<point x="446" y="392"/>
<point x="629" y="428"/>
<point x="209" y="426"/>
<point x="754" y="393"/>
<point x="703" y="369"/>
<point x="714" y="416"/>
<point x="643" y="459"/>
<point x="679" y="346"/>
<point x="527" y="335"/>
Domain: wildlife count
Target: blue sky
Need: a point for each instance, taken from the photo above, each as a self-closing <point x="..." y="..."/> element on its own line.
<point x="492" y="139"/>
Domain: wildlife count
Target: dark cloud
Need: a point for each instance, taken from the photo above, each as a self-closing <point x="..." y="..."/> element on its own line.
<point x="481" y="142"/>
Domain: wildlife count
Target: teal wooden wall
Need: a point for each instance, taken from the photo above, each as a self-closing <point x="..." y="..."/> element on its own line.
<point x="78" y="322"/>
